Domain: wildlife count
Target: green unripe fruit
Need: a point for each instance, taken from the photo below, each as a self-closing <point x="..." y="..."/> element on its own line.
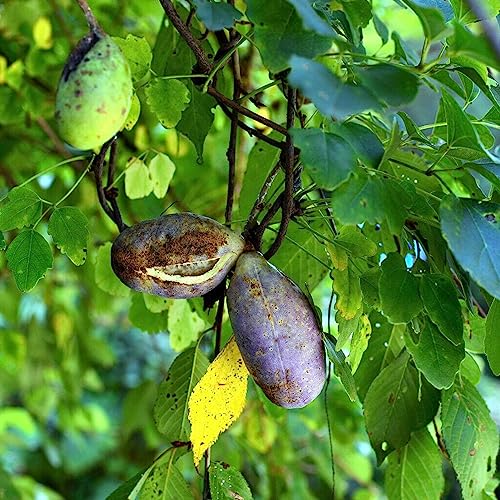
<point x="94" y="93"/>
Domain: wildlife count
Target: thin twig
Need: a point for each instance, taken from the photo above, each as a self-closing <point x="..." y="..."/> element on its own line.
<point x="89" y="15"/>
<point x="252" y="131"/>
<point x="288" y="162"/>
<point x="259" y="202"/>
<point x="221" y="98"/>
<point x="49" y="132"/>
<point x="183" y="30"/>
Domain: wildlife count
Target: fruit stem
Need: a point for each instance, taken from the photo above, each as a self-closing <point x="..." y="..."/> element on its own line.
<point x="89" y="15"/>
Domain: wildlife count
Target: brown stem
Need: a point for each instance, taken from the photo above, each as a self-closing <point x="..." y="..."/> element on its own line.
<point x="231" y="150"/>
<point x="259" y="202"/>
<point x="252" y="131"/>
<point x="288" y="162"/>
<point x="183" y="30"/>
<point x="256" y="237"/>
<point x="221" y="98"/>
<point x="89" y="15"/>
<point x="102" y="194"/>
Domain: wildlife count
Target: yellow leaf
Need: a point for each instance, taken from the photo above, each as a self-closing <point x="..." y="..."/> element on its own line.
<point x="42" y="33"/>
<point x="218" y="399"/>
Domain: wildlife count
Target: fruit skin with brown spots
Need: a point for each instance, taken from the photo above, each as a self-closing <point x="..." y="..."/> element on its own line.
<point x="94" y="93"/>
<point x="276" y="331"/>
<point x="177" y="255"/>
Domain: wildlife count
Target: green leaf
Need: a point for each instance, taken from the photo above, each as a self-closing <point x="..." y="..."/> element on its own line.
<point x="138" y="54"/>
<point x="3" y="243"/>
<point x="197" y="118"/>
<point x="22" y="208"/>
<point x="7" y="488"/>
<point x="133" y="114"/>
<point x="279" y="33"/>
<point x="461" y="136"/>
<point x="141" y="317"/>
<point x="470" y="369"/>
<point x="341" y="368"/>
<point x="167" y="99"/>
<point x="171" y="406"/>
<point x="440" y="299"/>
<point x="124" y="491"/>
<point x="348" y="290"/>
<point x="165" y="481"/>
<point x="397" y="404"/>
<point x="369" y="286"/>
<point x="398" y="288"/>
<point x="104" y="276"/>
<point x="466" y="43"/>
<point x="435" y="356"/>
<point x="28" y="257"/>
<point x="328" y="158"/>
<point x="216" y="16"/>
<point x="431" y="19"/>
<point x="354" y="242"/>
<point x="472" y="231"/>
<point x="391" y="84"/>
<point x="161" y="171"/>
<point x="68" y="227"/>
<point x="359" y="342"/>
<point x="184" y="325"/>
<point x="492" y="338"/>
<point x="346" y="328"/>
<point x="157" y="304"/>
<point x="415" y="471"/>
<point x="138" y="183"/>
<point x="471" y="437"/>
<point x="311" y="20"/>
<point x="366" y="198"/>
<point x="301" y="255"/>
<point x="227" y="483"/>
<point x="328" y="92"/>
<point x="365" y="143"/>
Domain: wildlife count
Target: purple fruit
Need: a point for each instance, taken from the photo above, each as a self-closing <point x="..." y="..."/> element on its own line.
<point x="179" y="255"/>
<point x="276" y="331"/>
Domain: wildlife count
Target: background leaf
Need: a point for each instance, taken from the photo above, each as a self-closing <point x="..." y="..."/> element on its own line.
<point x="216" y="16"/>
<point x="161" y="171"/>
<point x="227" y="483"/>
<point x="28" y="257"/>
<point x="138" y="54"/>
<point x="396" y="405"/>
<point x="68" y="227"/>
<point x="471" y="437"/>
<point x="473" y="234"/>
<point x="138" y="183"/>
<point x="171" y="406"/>
<point x="22" y="208"/>
<point x="492" y="337"/>
<point x="167" y="99"/>
<point x="415" y="471"/>
<point x="435" y="356"/>
<point x="105" y="277"/>
<point x="184" y="325"/>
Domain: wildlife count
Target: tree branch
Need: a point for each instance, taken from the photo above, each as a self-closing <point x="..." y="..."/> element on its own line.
<point x="183" y="30"/>
<point x="288" y="162"/>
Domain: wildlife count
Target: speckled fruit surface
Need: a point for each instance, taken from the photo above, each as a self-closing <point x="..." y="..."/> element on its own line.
<point x="177" y="255"/>
<point x="276" y="331"/>
<point x="94" y="93"/>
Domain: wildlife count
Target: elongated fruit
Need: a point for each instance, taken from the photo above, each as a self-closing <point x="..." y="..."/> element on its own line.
<point x="94" y="93"/>
<point x="276" y="331"/>
<point x="178" y="255"/>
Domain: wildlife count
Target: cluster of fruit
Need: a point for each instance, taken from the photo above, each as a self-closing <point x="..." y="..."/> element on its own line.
<point x="187" y="255"/>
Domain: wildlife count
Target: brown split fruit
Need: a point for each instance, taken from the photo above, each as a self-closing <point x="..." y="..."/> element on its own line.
<point x="277" y="332"/>
<point x="178" y="255"/>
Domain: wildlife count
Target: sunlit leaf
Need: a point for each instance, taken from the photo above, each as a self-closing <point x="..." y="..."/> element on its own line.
<point x="21" y="208"/>
<point x="218" y="399"/>
<point x="227" y="483"/>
